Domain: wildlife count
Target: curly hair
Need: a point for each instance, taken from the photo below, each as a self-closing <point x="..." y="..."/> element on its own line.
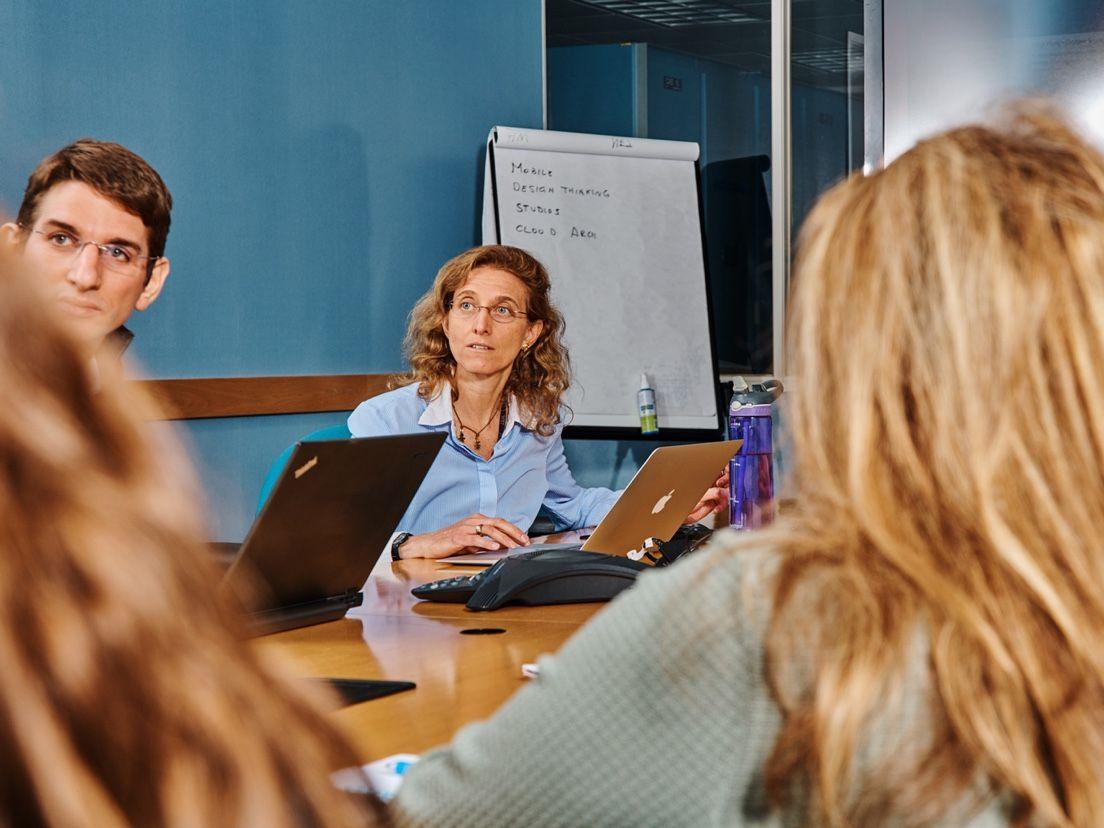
<point x="541" y="373"/>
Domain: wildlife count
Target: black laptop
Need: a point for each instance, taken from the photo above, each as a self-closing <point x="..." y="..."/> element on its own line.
<point x="316" y="540"/>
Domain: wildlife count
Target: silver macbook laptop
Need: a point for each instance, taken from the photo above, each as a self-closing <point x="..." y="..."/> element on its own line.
<point x="653" y="505"/>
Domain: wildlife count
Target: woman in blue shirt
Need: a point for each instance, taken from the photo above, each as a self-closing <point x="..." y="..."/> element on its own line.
<point x="489" y="367"/>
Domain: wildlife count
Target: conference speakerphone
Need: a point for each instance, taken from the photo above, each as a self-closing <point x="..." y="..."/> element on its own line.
<point x="537" y="577"/>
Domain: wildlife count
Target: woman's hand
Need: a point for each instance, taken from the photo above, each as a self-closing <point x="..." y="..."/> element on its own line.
<point x="713" y="501"/>
<point x="477" y="533"/>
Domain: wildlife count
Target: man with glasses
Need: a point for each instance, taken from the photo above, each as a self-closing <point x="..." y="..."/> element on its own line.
<point x="92" y="228"/>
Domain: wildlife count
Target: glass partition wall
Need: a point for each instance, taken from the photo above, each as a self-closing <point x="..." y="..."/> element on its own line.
<point x="950" y="61"/>
<point x="827" y="99"/>
<point x="781" y="97"/>
<point x="688" y="71"/>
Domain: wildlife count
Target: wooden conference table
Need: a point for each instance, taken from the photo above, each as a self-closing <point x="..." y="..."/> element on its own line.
<point x="461" y="676"/>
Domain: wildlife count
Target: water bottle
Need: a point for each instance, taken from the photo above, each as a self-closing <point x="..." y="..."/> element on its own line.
<point x="750" y="476"/>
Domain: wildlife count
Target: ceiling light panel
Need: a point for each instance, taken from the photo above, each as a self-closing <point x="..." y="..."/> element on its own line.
<point x="825" y="60"/>
<point x="676" y="13"/>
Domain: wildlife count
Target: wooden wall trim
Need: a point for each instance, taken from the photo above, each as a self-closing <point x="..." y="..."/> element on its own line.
<point x="188" y="399"/>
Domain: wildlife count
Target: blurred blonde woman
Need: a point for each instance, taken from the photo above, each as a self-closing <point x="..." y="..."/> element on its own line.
<point x="127" y="694"/>
<point x="918" y="641"/>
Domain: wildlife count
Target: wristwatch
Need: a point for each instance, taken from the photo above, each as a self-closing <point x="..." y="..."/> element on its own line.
<point x="399" y="540"/>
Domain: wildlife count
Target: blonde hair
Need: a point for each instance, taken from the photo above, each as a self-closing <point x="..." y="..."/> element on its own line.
<point x="541" y="373"/>
<point x="947" y="331"/>
<point x="128" y="695"/>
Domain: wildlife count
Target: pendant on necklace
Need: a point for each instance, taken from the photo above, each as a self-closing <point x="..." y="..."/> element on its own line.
<point x="477" y="442"/>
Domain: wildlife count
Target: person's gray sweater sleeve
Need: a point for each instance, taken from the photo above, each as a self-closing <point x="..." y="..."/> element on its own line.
<point x="655" y="713"/>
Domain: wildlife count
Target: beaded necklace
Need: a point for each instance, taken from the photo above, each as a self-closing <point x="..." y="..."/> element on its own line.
<point x="476" y="434"/>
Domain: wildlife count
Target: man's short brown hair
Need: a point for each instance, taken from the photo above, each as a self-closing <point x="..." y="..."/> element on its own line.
<point x="114" y="172"/>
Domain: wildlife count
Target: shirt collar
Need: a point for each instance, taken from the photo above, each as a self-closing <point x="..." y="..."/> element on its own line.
<point x="439" y="410"/>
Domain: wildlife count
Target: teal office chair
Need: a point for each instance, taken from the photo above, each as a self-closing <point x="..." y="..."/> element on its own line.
<point x="337" y="432"/>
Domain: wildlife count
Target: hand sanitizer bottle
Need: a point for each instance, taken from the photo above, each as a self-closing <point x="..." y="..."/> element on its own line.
<point x="645" y="400"/>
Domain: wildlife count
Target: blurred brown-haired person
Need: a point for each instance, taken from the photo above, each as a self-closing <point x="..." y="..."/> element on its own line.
<point x="918" y="640"/>
<point x="128" y="695"/>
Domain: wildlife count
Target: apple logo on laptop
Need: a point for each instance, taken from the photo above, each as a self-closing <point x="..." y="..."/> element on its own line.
<point x="662" y="502"/>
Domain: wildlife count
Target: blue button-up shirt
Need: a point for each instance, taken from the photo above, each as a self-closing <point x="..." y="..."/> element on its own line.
<point x="526" y="470"/>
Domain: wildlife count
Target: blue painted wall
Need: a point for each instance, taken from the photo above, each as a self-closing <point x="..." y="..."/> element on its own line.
<point x="325" y="159"/>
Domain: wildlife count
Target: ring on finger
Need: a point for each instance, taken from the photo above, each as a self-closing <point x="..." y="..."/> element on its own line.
<point x="479" y="529"/>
